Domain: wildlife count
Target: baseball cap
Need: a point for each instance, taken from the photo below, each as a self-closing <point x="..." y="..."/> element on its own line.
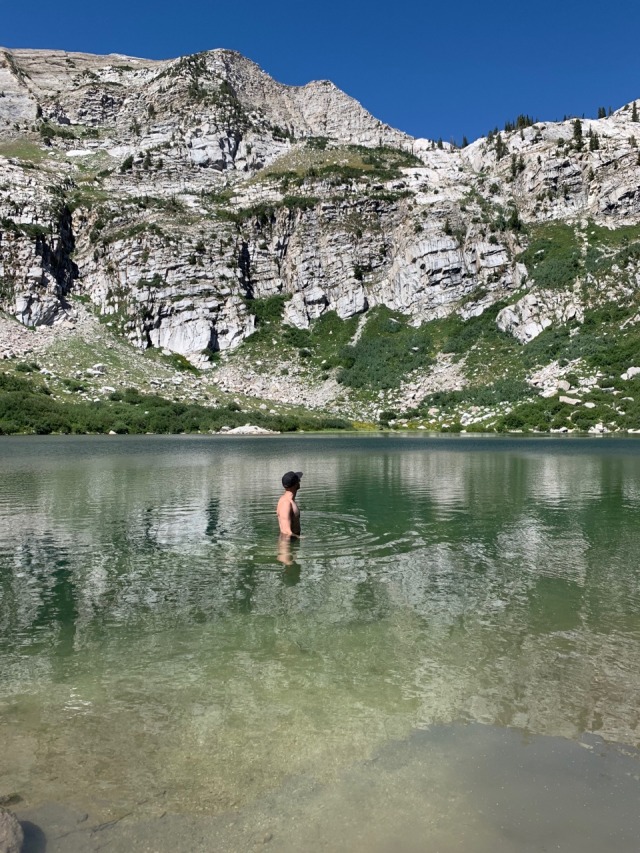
<point x="291" y="478"/>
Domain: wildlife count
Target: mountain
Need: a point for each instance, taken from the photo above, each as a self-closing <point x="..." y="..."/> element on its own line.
<point x="295" y="249"/>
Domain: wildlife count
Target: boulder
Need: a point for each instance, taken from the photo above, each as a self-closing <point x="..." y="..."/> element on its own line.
<point x="11" y="834"/>
<point x="630" y="372"/>
<point x="538" y="310"/>
<point x="247" y="429"/>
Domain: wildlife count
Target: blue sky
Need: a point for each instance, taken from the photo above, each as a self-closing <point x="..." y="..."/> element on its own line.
<point x="433" y="69"/>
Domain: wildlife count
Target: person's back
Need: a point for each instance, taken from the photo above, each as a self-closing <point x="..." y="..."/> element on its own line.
<point x="287" y="510"/>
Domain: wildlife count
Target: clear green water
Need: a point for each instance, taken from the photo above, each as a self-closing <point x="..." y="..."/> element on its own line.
<point x="157" y="656"/>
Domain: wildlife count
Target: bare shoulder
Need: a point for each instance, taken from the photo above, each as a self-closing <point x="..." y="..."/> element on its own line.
<point x="284" y="502"/>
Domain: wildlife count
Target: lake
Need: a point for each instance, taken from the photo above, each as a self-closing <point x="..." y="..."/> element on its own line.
<point x="448" y="660"/>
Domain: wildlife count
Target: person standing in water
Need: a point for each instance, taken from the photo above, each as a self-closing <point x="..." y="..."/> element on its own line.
<point x="287" y="509"/>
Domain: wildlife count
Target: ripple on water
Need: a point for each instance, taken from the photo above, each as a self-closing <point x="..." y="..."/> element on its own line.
<point x="326" y="536"/>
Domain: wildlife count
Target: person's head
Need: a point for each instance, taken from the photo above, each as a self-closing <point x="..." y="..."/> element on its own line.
<point x="291" y="480"/>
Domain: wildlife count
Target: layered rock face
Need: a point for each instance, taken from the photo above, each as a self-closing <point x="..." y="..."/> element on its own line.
<point x="173" y="193"/>
<point x="36" y="246"/>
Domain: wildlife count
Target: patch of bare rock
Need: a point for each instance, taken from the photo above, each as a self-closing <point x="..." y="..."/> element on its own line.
<point x="17" y="341"/>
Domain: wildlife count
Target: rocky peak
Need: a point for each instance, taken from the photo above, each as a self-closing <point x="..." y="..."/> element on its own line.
<point x="186" y="188"/>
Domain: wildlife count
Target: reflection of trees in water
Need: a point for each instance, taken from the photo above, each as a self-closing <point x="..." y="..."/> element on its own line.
<point x="213" y="518"/>
<point x="522" y="566"/>
<point x="39" y="596"/>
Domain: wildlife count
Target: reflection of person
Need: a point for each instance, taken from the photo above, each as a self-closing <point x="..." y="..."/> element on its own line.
<point x="285" y="555"/>
<point x="287" y="509"/>
<point x="287" y="546"/>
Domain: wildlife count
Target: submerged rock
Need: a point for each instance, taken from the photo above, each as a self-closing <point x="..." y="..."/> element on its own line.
<point x="11" y="834"/>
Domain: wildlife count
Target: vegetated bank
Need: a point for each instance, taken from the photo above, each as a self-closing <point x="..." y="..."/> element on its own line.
<point x="27" y="407"/>
<point x="577" y="377"/>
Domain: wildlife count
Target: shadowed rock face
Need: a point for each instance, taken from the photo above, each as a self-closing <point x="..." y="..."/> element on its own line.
<point x="170" y="192"/>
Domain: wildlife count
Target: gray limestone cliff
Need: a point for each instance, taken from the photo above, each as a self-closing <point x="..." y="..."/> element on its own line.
<point x="172" y="193"/>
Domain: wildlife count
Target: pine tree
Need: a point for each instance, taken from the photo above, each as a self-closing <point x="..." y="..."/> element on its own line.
<point x="517" y="166"/>
<point x="524" y="121"/>
<point x="602" y="113"/>
<point x="634" y="112"/>
<point x="577" y="134"/>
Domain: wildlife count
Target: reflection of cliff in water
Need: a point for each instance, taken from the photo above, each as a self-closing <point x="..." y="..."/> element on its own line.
<point x="497" y="584"/>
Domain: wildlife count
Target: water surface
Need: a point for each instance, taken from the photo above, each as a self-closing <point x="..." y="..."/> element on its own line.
<point x="455" y="603"/>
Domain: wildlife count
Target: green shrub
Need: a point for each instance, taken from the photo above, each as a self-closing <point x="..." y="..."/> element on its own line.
<point x="74" y="385"/>
<point x="609" y="246"/>
<point x="179" y="362"/>
<point x="295" y="337"/>
<point x="49" y="131"/>
<point x="541" y="414"/>
<point x="386" y="351"/>
<point x="8" y="382"/>
<point x="153" y="282"/>
<point x="505" y="390"/>
<point x="267" y="310"/>
<point x="549" y="345"/>
<point x="461" y="335"/>
<point x="319" y="143"/>
<point x="293" y="202"/>
<point x="553" y="257"/>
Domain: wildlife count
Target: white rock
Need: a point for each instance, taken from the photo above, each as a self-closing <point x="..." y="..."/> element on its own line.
<point x="571" y="401"/>
<point x="248" y="429"/>
<point x="630" y="372"/>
